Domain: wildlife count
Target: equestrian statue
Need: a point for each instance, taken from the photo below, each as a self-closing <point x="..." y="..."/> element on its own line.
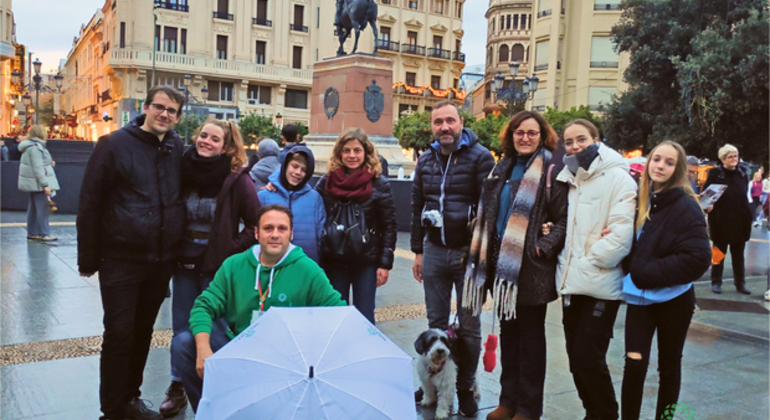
<point x="353" y="15"/>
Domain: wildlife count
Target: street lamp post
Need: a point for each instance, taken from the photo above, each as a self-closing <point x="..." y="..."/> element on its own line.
<point x="37" y="79"/>
<point x="27" y="101"/>
<point x="187" y="81"/>
<point x="512" y="96"/>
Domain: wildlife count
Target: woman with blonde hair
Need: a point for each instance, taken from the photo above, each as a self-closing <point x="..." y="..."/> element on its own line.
<point x="37" y="177"/>
<point x="219" y="195"/>
<point x="671" y="251"/>
<point x="354" y="186"/>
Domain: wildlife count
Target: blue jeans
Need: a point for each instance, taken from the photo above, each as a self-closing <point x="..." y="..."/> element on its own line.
<point x="38" y="211"/>
<point x="442" y="269"/>
<point x="187" y="286"/>
<point x="363" y="278"/>
<point x="183" y="355"/>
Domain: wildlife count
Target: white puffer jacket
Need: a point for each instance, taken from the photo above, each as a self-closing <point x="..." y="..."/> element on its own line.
<point x="602" y="197"/>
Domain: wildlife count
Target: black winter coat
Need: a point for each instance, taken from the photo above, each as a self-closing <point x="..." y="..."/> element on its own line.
<point x="454" y="193"/>
<point x="130" y="204"/>
<point x="536" y="279"/>
<point x="674" y="246"/>
<point x="730" y="219"/>
<point x="380" y="217"/>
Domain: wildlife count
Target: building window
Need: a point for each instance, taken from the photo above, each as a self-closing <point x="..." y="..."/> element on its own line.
<point x="438" y="7"/>
<point x="297" y="58"/>
<point x="493" y="24"/>
<point x="489" y="57"/>
<point x="603" y="54"/>
<point x="411" y="79"/>
<point x="157" y="37"/>
<point x="222" y="47"/>
<point x="541" y="56"/>
<point x="259" y="95"/>
<point x="435" y="82"/>
<point x="226" y="91"/>
<point x="517" y="53"/>
<point x="456" y="83"/>
<point x="515" y="21"/>
<point x="299" y="17"/>
<point x="262" y="10"/>
<point x="183" y="42"/>
<point x="213" y="90"/>
<point x="385" y="33"/>
<point x="222" y="6"/>
<point x="508" y="22"/>
<point x="411" y="38"/>
<point x="503" y="54"/>
<point x="296" y="98"/>
<point x="502" y="22"/>
<point x="261" y="51"/>
<point x="457" y="45"/>
<point x="459" y="10"/>
<point x="412" y="4"/>
<point x="122" y="34"/>
<point x="524" y="21"/>
<point x="437" y="42"/>
<point x="169" y="39"/>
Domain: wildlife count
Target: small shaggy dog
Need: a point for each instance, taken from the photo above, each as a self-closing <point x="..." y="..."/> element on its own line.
<point x="437" y="370"/>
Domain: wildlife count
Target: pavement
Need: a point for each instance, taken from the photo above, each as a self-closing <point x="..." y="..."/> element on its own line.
<point x="51" y="326"/>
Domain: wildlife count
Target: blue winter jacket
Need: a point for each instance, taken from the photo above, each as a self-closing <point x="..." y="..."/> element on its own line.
<point x="307" y="206"/>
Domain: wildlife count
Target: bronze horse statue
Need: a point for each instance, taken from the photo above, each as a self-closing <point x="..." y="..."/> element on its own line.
<point x="354" y="15"/>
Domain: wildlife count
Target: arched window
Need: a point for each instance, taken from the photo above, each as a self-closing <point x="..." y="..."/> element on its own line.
<point x="517" y="52"/>
<point x="489" y="57"/>
<point x="503" y="54"/>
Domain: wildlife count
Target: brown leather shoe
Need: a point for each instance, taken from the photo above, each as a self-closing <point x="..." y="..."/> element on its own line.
<point x="501" y="413"/>
<point x="521" y="417"/>
<point x="176" y="400"/>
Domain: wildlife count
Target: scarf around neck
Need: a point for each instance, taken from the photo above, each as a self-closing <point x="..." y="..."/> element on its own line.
<point x="583" y="159"/>
<point x="204" y="174"/>
<point x="357" y="185"/>
<point x="508" y="265"/>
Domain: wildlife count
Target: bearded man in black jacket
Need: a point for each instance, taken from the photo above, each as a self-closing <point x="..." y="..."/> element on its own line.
<point x="130" y="220"/>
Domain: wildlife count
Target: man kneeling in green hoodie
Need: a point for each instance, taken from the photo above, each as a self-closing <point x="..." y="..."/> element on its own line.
<point x="287" y="277"/>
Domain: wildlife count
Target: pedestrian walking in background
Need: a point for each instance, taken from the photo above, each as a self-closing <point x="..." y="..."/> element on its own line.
<point x="37" y="177"/>
<point x="4" y="152"/>
<point x="267" y="164"/>
<point x="219" y="195"/>
<point x="14" y="153"/>
<point x="765" y="189"/>
<point x="354" y="185"/>
<point x="729" y="219"/>
<point x="130" y="222"/>
<point x="602" y="199"/>
<point x="445" y="193"/>
<point x="289" y="138"/>
<point x="692" y="173"/>
<point x="756" y="197"/>
<point x="671" y="251"/>
<point x="508" y="251"/>
<point x="289" y="187"/>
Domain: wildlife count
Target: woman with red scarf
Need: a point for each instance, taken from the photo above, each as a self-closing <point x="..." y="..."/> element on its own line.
<point x="355" y="178"/>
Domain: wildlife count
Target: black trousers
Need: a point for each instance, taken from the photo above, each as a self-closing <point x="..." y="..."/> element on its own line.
<point x="522" y="357"/>
<point x="588" y="324"/>
<point x="739" y="269"/>
<point x="132" y="293"/>
<point x="672" y="320"/>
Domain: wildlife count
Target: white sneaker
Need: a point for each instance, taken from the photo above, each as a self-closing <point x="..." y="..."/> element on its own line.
<point x="767" y="295"/>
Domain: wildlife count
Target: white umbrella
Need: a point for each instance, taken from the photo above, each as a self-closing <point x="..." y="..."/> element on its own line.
<point x="309" y="363"/>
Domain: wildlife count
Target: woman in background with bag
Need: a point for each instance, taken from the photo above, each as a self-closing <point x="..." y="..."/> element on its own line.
<point x="360" y="231"/>
<point x="37" y="177"/>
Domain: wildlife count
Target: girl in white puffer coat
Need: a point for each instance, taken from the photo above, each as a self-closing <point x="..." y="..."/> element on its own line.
<point x="600" y="224"/>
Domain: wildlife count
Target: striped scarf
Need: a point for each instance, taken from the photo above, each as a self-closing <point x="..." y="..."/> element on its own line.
<point x="505" y="285"/>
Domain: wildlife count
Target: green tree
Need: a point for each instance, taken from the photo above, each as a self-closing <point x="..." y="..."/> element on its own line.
<point x="488" y="129"/>
<point x="302" y="130"/>
<point x="254" y="126"/>
<point x="559" y="119"/>
<point x="188" y="124"/>
<point x="413" y="131"/>
<point x="697" y="75"/>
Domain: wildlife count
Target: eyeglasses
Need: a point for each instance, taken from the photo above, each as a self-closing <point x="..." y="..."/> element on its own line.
<point x="731" y="157"/>
<point x="160" y="109"/>
<point x="521" y="133"/>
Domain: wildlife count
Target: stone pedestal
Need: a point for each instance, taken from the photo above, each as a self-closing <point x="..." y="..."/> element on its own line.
<point x="351" y="75"/>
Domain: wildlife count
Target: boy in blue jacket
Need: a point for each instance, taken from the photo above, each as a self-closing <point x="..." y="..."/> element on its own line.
<point x="291" y="190"/>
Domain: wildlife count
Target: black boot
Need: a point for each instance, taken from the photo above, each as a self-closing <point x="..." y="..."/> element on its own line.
<point x="741" y="288"/>
<point x="716" y="288"/>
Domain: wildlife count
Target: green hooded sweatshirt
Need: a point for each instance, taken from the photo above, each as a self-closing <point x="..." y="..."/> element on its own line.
<point x="297" y="281"/>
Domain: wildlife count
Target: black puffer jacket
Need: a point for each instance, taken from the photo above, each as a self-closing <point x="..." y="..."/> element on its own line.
<point x="130" y="203"/>
<point x="380" y="217"/>
<point x="674" y="245"/>
<point x="536" y="278"/>
<point x="730" y="219"/>
<point x="455" y="194"/>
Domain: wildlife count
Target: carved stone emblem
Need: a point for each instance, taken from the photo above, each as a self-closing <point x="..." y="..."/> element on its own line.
<point x="374" y="101"/>
<point x="331" y="102"/>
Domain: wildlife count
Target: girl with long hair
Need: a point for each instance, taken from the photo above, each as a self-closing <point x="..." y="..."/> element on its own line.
<point x="355" y="178"/>
<point x="219" y="195"/>
<point x="671" y="251"/>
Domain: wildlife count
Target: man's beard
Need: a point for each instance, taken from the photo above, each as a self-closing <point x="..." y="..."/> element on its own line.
<point x="455" y="138"/>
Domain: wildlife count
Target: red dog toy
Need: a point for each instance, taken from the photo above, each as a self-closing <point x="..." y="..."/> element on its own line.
<point x="490" y="355"/>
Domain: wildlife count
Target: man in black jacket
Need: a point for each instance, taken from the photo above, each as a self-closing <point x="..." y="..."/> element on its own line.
<point x="445" y="194"/>
<point x="130" y="219"/>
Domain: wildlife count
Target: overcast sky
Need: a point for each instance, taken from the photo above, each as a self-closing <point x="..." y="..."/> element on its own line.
<point x="47" y="27"/>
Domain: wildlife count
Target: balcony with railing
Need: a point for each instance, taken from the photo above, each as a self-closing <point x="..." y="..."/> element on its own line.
<point x="439" y="53"/>
<point x="182" y="63"/>
<point x="413" y="49"/>
<point x="544" y="13"/>
<point x="298" y="28"/>
<point x="387" y="45"/>
<point x="606" y="6"/>
<point x="223" y="16"/>
<point x="604" y="64"/>
<point x="169" y="5"/>
<point x="262" y="22"/>
<point x="541" y="67"/>
<point x="458" y="56"/>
